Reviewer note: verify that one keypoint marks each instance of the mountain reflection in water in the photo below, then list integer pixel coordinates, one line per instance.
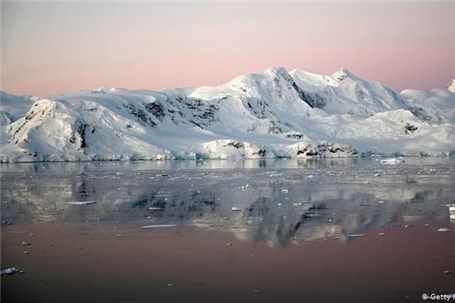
(277, 201)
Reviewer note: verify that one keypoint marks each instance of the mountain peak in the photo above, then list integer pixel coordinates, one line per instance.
(451, 86)
(277, 71)
(343, 73)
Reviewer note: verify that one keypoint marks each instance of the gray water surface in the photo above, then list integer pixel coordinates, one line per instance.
(274, 201)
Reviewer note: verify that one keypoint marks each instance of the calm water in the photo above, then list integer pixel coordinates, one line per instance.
(279, 201)
(273, 218)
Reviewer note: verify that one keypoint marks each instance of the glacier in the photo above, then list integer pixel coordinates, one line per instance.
(276, 114)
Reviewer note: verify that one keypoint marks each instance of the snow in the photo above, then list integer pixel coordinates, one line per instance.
(13, 107)
(451, 86)
(274, 114)
(435, 106)
(344, 93)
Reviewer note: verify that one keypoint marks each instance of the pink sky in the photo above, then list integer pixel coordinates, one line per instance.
(50, 48)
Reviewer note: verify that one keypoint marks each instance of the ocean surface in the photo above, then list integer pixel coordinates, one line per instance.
(334, 230)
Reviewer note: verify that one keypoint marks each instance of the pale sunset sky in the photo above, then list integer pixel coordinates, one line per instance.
(55, 47)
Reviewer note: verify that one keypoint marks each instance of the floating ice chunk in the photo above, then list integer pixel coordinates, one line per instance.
(284, 190)
(313, 215)
(81, 202)
(275, 175)
(356, 235)
(11, 271)
(392, 161)
(158, 226)
(236, 209)
(443, 230)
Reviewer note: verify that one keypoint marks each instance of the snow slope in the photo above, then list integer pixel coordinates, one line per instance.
(13, 107)
(344, 93)
(273, 114)
(436, 106)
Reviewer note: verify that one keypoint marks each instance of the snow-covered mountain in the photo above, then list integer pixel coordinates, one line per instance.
(451, 86)
(273, 114)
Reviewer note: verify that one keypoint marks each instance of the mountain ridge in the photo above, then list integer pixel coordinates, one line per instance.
(278, 113)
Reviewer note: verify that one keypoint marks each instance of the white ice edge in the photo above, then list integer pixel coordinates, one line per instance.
(158, 226)
(80, 202)
(356, 235)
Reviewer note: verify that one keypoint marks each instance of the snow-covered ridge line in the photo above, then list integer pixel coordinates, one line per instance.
(275, 114)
